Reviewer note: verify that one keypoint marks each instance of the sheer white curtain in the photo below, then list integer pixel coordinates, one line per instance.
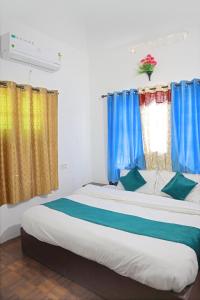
(155, 110)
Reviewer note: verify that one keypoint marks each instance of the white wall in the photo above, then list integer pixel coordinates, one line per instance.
(72, 82)
(82, 113)
(114, 69)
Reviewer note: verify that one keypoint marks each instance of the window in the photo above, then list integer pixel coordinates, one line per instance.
(156, 127)
(155, 117)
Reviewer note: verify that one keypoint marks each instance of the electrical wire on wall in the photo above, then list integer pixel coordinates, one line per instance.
(29, 76)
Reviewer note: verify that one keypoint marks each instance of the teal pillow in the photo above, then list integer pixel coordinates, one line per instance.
(132, 181)
(179, 187)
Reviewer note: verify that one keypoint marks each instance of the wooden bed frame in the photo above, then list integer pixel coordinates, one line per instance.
(98, 278)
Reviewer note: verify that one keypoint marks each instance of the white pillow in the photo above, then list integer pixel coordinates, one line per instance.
(111, 186)
(164, 177)
(150, 178)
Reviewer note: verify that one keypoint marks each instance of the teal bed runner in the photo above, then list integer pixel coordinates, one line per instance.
(186, 235)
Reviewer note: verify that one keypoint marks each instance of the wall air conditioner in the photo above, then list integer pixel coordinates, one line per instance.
(18, 49)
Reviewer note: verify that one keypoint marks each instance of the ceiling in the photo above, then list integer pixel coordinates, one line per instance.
(104, 22)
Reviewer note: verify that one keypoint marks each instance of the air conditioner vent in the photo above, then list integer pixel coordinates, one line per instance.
(16, 48)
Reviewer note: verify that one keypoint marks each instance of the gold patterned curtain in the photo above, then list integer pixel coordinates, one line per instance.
(28, 142)
(155, 107)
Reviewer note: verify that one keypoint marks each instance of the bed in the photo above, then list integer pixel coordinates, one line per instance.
(116, 264)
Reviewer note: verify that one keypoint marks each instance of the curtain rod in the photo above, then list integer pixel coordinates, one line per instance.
(152, 88)
(21, 86)
(187, 82)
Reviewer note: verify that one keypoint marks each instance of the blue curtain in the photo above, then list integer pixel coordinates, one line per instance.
(125, 147)
(186, 126)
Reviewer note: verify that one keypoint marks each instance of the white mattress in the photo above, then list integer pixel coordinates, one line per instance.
(157, 263)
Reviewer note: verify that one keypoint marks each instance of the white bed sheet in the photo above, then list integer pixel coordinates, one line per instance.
(157, 263)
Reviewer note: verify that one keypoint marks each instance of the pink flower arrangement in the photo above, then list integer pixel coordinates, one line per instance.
(147, 65)
(149, 60)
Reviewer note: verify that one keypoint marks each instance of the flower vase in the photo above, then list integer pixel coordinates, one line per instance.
(149, 73)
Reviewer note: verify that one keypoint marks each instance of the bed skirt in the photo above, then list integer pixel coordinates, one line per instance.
(98, 278)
